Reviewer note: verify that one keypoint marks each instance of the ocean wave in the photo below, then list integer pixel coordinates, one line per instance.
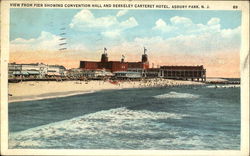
(86, 131)
(176, 95)
(223, 86)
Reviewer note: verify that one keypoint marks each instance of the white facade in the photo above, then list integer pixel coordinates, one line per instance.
(77, 73)
(55, 70)
(38, 70)
(128, 74)
(96, 73)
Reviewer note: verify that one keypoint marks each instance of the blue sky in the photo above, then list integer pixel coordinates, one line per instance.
(29, 23)
(165, 33)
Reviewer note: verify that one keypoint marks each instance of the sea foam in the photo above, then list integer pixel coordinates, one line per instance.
(103, 124)
(176, 95)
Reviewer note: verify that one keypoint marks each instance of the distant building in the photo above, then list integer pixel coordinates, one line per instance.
(78, 73)
(124, 69)
(97, 74)
(183, 72)
(114, 66)
(107, 69)
(35, 70)
(74, 73)
(127, 75)
(56, 70)
(14, 69)
(153, 72)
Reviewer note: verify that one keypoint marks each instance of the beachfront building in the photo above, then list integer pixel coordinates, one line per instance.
(78, 73)
(56, 70)
(127, 75)
(138, 67)
(97, 74)
(122, 69)
(183, 72)
(34, 70)
(178, 72)
(14, 70)
(74, 73)
(153, 73)
(115, 66)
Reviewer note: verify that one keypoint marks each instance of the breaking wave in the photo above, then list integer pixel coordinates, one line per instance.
(94, 130)
(223, 86)
(176, 95)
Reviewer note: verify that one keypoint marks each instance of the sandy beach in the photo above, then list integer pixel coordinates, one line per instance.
(35, 90)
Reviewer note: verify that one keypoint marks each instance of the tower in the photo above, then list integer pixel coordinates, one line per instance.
(123, 58)
(144, 58)
(104, 57)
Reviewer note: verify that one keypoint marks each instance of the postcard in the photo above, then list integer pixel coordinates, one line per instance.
(125, 78)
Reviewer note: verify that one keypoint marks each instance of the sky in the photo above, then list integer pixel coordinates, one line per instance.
(171, 37)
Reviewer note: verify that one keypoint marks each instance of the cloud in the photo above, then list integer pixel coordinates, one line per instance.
(185, 26)
(77, 47)
(198, 39)
(162, 26)
(112, 34)
(177, 20)
(122, 13)
(213, 21)
(129, 23)
(86, 21)
(231, 33)
(46, 41)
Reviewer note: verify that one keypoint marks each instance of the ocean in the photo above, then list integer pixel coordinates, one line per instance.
(173, 118)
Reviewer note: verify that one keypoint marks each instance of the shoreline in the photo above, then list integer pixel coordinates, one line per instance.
(35, 90)
(41, 97)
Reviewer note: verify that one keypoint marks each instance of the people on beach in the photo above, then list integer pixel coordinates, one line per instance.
(24, 89)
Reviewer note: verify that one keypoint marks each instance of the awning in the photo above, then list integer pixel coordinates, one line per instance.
(20, 73)
(33, 72)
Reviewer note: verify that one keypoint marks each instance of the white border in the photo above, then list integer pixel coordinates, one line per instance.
(215, 5)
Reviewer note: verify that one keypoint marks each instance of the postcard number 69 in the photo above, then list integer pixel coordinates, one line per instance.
(235, 7)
